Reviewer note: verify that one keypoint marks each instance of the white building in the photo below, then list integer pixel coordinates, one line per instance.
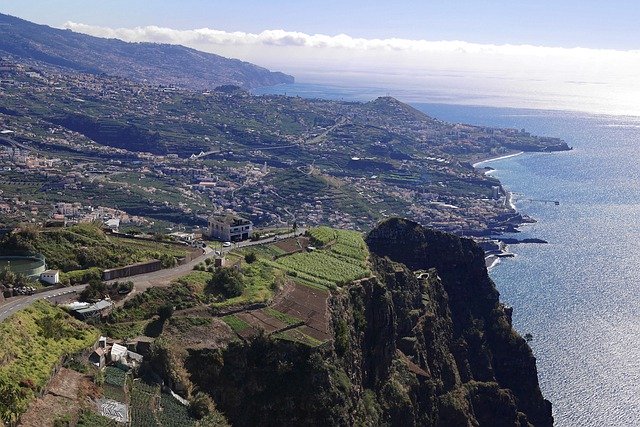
(113, 224)
(50, 276)
(229, 228)
(184, 237)
(121, 355)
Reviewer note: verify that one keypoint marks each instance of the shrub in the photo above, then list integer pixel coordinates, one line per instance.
(94, 292)
(201, 405)
(165, 311)
(250, 257)
(124, 287)
(226, 281)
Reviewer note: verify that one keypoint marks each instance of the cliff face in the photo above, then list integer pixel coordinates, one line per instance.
(423, 342)
(461, 336)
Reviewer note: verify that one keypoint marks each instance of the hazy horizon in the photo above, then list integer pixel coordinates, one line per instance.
(575, 56)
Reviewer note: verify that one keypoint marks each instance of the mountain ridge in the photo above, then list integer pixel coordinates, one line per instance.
(161, 64)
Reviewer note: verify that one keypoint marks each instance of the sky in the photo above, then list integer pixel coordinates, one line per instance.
(565, 54)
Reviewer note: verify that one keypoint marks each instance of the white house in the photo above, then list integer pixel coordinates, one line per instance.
(118, 353)
(229, 228)
(50, 276)
(113, 224)
(123, 356)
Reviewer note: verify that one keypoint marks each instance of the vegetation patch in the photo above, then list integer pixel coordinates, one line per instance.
(235, 323)
(142, 398)
(196, 280)
(323, 265)
(283, 317)
(321, 236)
(259, 280)
(115, 376)
(146, 305)
(173, 413)
(84, 246)
(124, 330)
(34, 340)
(295, 335)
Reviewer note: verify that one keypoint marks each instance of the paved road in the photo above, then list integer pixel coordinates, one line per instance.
(10, 306)
(141, 282)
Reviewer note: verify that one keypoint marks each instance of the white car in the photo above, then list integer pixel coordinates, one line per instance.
(226, 244)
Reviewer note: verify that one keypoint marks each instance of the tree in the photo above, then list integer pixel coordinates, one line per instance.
(228, 281)
(96, 290)
(7, 277)
(168, 261)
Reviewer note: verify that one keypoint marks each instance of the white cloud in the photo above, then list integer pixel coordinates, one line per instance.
(519, 75)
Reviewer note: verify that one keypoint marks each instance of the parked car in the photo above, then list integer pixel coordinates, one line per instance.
(226, 244)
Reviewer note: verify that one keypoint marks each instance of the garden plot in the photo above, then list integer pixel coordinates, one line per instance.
(292, 244)
(309, 305)
(259, 320)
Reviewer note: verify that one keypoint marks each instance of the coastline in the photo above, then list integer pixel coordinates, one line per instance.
(508, 156)
(492, 259)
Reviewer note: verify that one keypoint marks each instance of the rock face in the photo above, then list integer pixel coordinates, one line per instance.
(423, 342)
(462, 336)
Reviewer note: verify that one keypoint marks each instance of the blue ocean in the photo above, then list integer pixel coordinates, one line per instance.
(578, 295)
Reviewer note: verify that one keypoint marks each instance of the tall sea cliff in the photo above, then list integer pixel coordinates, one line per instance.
(423, 341)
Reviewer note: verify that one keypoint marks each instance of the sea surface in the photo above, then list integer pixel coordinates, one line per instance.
(578, 295)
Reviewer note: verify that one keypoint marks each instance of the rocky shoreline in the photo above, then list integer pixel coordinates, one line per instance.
(490, 240)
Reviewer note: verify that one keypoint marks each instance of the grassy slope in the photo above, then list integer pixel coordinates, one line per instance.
(33, 342)
(84, 246)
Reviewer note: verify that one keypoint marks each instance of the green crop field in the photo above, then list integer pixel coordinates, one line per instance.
(323, 265)
(115, 376)
(173, 413)
(322, 235)
(341, 258)
(142, 399)
(237, 324)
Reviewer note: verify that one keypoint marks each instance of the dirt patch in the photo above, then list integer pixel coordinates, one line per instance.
(67, 392)
(309, 305)
(261, 321)
(292, 244)
(198, 332)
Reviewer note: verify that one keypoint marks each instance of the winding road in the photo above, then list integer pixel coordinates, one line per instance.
(141, 282)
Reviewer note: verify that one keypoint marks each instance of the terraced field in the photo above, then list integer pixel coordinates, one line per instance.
(341, 258)
(300, 311)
